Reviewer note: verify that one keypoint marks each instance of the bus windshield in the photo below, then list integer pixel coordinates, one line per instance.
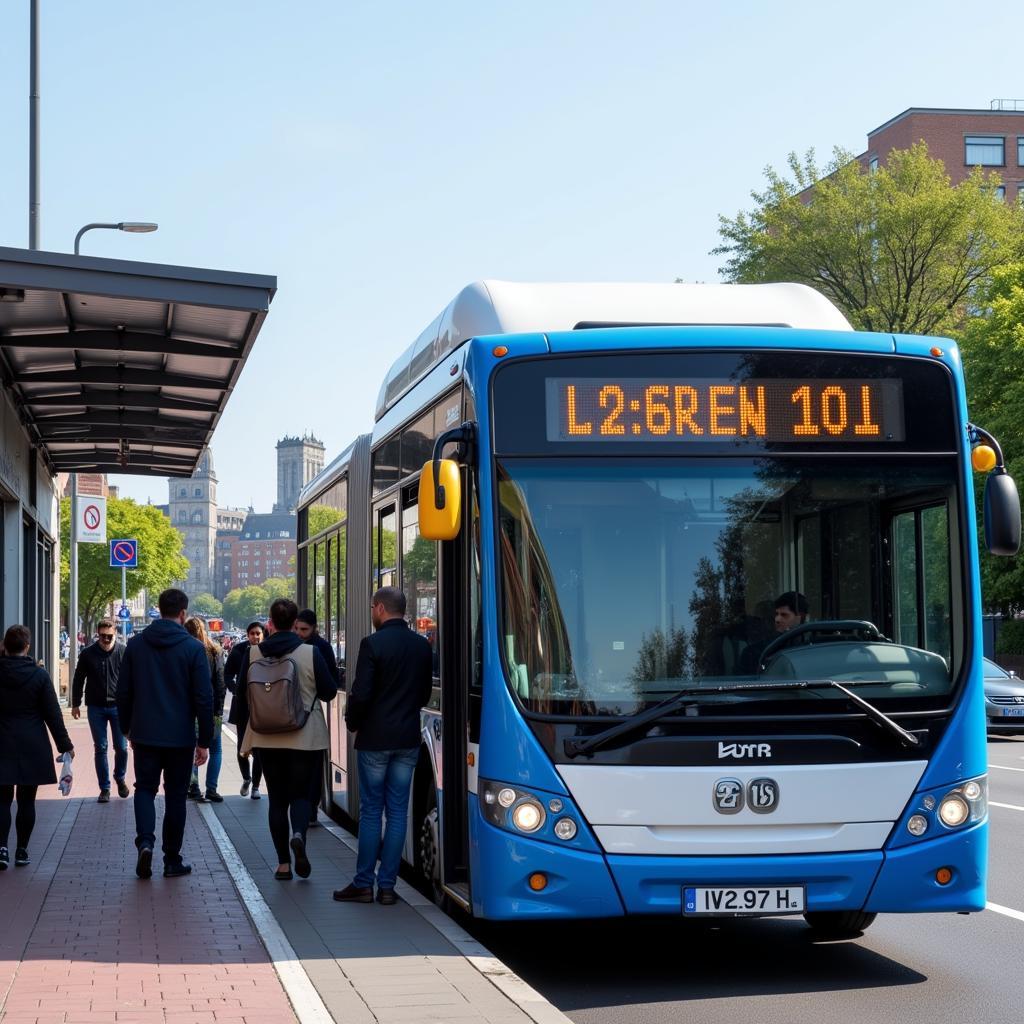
(626, 580)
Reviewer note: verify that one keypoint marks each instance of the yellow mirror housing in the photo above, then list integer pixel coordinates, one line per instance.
(983, 458)
(440, 523)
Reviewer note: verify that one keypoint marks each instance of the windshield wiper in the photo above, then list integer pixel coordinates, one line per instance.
(580, 747)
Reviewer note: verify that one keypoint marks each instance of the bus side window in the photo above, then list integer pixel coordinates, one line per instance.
(920, 575)
(419, 576)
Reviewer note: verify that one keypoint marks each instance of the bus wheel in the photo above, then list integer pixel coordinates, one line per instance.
(428, 849)
(839, 924)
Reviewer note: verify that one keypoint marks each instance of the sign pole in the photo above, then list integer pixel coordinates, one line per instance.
(124, 602)
(73, 589)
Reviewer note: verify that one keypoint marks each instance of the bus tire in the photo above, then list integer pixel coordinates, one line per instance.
(428, 849)
(839, 924)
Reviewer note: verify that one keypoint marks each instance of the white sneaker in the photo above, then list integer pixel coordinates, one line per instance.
(245, 787)
(255, 794)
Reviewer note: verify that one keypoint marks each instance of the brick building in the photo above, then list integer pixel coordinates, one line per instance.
(265, 548)
(230, 523)
(963, 139)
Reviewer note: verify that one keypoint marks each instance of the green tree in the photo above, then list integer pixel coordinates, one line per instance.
(244, 605)
(898, 249)
(161, 562)
(279, 586)
(993, 353)
(206, 604)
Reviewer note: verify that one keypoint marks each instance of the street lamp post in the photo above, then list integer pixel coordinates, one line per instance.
(134, 226)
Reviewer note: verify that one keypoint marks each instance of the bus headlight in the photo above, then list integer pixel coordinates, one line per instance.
(528, 816)
(953, 811)
(966, 804)
(565, 828)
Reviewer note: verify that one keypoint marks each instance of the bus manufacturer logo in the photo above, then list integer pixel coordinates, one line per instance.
(744, 750)
(763, 795)
(728, 796)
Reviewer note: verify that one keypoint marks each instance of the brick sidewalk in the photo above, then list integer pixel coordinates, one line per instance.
(84, 940)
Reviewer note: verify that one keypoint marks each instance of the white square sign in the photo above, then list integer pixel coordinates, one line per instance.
(91, 516)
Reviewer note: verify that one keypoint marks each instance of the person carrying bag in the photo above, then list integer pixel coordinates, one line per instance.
(286, 682)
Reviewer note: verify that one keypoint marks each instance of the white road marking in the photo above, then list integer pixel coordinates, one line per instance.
(1006, 768)
(305, 999)
(1009, 807)
(1017, 915)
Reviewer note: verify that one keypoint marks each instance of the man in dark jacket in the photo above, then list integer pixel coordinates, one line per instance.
(392, 683)
(96, 673)
(234, 667)
(163, 691)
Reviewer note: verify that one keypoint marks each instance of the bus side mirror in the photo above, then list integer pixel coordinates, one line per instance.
(440, 500)
(1002, 514)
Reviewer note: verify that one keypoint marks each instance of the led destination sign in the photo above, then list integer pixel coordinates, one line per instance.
(805, 411)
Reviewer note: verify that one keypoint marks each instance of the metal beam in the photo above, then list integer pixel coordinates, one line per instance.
(136, 434)
(121, 341)
(125, 400)
(76, 460)
(117, 374)
(115, 418)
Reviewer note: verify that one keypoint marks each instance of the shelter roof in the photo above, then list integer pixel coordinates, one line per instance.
(123, 367)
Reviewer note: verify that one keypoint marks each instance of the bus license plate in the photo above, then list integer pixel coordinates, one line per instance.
(741, 900)
(1013, 712)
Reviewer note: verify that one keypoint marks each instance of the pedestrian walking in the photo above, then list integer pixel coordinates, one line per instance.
(283, 665)
(393, 682)
(163, 691)
(238, 659)
(214, 657)
(28, 707)
(96, 674)
(306, 627)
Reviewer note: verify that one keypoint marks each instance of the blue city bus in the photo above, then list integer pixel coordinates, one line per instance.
(699, 568)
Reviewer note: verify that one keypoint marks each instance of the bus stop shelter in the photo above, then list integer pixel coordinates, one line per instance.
(106, 366)
(123, 367)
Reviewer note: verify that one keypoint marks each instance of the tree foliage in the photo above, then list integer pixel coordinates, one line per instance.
(205, 604)
(897, 249)
(993, 354)
(246, 604)
(160, 559)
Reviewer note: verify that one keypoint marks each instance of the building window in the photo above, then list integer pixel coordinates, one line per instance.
(1020, 150)
(985, 150)
(1000, 192)
(197, 517)
(199, 492)
(873, 164)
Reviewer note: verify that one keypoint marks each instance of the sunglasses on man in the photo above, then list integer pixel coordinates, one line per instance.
(105, 637)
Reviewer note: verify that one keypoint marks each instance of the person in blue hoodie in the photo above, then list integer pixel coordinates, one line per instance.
(163, 690)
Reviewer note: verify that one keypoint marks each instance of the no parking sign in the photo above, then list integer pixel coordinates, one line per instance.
(124, 554)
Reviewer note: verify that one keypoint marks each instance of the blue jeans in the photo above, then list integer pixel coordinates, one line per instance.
(98, 719)
(385, 781)
(214, 761)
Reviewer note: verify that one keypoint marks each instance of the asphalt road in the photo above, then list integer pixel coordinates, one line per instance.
(923, 968)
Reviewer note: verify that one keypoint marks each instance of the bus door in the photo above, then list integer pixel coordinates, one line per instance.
(456, 670)
(384, 552)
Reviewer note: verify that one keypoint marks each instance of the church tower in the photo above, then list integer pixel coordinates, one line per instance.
(192, 507)
(299, 459)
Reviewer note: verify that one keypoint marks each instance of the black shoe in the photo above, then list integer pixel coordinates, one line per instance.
(177, 870)
(214, 797)
(20, 857)
(283, 876)
(195, 793)
(246, 783)
(354, 894)
(104, 797)
(4, 858)
(255, 794)
(144, 865)
(386, 897)
(302, 865)
(122, 790)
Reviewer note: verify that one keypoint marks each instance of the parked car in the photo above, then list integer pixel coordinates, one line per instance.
(1004, 700)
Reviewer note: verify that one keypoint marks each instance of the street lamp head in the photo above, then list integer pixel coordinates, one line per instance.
(137, 226)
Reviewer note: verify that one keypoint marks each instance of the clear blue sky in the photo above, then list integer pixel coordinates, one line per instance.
(377, 157)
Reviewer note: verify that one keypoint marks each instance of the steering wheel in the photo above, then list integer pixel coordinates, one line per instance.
(868, 631)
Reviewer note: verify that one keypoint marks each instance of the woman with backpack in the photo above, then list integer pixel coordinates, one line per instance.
(286, 682)
(197, 627)
(28, 707)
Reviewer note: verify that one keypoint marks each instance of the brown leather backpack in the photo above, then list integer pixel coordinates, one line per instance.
(274, 695)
